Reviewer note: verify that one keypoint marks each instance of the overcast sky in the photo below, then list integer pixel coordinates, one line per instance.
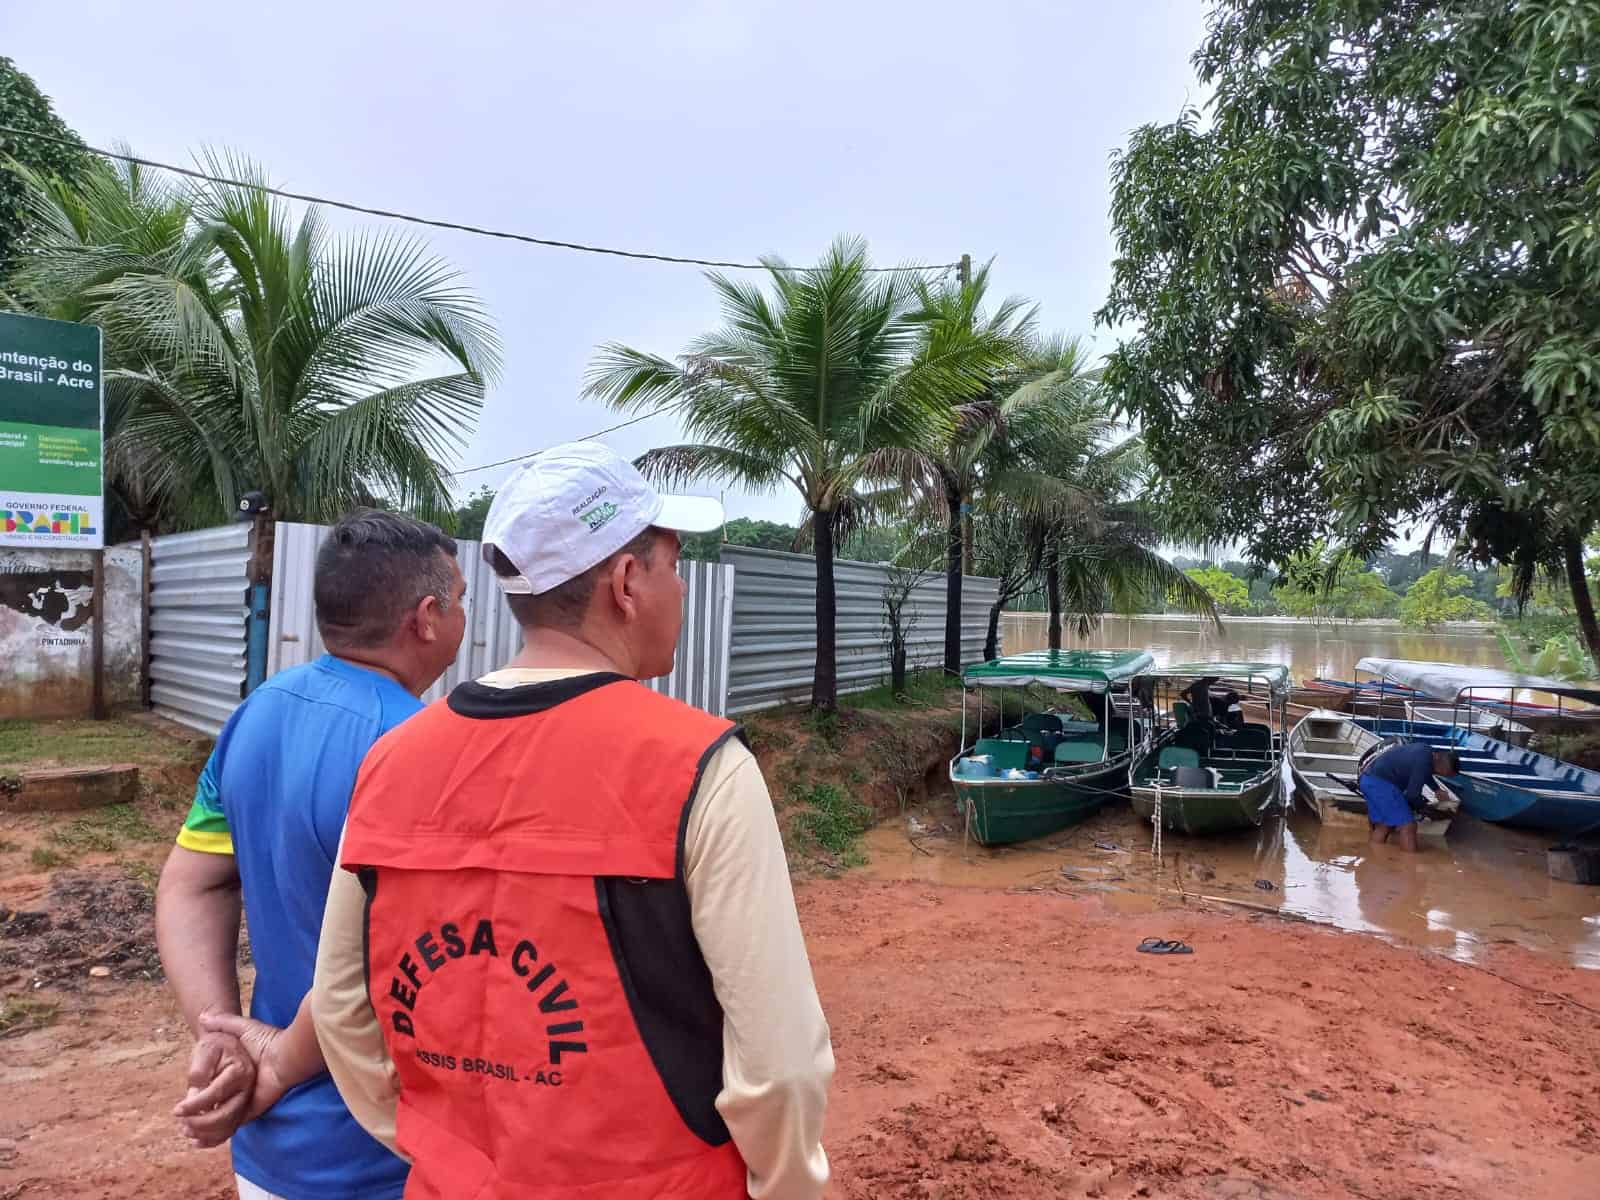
(710, 128)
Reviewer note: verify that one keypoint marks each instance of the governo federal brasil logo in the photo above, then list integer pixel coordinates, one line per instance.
(21, 520)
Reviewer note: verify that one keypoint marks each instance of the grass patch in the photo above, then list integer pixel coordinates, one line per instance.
(831, 820)
(145, 873)
(924, 689)
(105, 830)
(22, 1013)
(45, 859)
(77, 742)
(825, 727)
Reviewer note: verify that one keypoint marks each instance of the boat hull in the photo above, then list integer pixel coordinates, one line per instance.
(1477, 720)
(1000, 812)
(1204, 811)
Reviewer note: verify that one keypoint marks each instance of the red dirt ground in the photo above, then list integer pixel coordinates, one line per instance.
(994, 1044)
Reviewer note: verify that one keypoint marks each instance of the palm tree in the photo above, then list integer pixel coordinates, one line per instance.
(802, 386)
(944, 477)
(89, 238)
(1090, 537)
(250, 350)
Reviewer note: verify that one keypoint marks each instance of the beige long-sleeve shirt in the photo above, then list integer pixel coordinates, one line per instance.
(777, 1057)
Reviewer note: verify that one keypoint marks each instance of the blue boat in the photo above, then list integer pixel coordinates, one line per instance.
(1499, 782)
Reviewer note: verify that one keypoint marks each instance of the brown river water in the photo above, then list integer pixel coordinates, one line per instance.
(1331, 651)
(1484, 886)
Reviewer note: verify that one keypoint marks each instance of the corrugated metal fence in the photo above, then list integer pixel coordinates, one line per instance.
(774, 646)
(198, 615)
(748, 641)
(699, 676)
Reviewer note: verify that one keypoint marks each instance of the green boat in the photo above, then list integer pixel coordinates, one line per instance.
(1050, 770)
(1210, 772)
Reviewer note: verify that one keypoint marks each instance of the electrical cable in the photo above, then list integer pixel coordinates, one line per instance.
(479, 230)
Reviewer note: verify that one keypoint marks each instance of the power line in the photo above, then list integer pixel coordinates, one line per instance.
(416, 220)
(588, 437)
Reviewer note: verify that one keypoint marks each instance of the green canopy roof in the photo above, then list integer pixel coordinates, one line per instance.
(1063, 670)
(1275, 675)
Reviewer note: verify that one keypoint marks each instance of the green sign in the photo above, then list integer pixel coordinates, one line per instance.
(52, 479)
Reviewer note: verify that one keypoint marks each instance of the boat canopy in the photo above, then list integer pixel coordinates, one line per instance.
(1452, 681)
(1063, 670)
(1274, 675)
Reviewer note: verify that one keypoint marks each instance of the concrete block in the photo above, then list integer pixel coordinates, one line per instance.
(64, 789)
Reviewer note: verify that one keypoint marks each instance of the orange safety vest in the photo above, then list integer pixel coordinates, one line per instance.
(530, 955)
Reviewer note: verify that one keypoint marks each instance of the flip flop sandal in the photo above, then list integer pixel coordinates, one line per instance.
(1153, 945)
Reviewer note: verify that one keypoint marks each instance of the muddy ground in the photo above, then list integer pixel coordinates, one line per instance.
(995, 1044)
(990, 1043)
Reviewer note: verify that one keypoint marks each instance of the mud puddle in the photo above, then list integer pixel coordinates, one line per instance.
(1485, 885)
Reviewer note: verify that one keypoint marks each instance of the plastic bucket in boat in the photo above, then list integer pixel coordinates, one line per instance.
(976, 766)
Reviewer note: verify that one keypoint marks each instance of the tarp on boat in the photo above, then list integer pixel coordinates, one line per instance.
(1448, 681)
(1062, 670)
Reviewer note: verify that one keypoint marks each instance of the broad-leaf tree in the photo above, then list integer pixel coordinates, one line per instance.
(1364, 283)
(1227, 591)
(24, 107)
(803, 383)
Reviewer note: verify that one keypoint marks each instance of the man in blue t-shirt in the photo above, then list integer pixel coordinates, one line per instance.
(1392, 784)
(264, 829)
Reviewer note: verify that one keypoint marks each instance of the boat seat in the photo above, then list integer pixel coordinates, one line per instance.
(1079, 752)
(1006, 754)
(1042, 723)
(1181, 713)
(1193, 777)
(1250, 737)
(1178, 756)
(1194, 736)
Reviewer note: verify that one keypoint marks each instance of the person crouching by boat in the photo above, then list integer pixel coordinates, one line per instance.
(1392, 783)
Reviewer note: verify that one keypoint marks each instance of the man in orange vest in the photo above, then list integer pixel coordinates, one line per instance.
(564, 959)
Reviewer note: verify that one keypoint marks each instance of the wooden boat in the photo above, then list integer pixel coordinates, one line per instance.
(1309, 695)
(1198, 776)
(1260, 712)
(1478, 720)
(1325, 751)
(1509, 785)
(1366, 698)
(1049, 771)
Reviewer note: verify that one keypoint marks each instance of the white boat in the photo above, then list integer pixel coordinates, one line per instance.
(1325, 752)
(1478, 720)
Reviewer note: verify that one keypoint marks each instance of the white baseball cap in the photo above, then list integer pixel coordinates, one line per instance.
(572, 507)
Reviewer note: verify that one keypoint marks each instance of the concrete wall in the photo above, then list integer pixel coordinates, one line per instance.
(46, 615)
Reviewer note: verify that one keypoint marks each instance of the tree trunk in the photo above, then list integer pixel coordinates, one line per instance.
(1582, 602)
(825, 679)
(1052, 588)
(897, 669)
(991, 643)
(967, 555)
(952, 583)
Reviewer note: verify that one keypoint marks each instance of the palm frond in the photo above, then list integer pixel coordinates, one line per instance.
(674, 466)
